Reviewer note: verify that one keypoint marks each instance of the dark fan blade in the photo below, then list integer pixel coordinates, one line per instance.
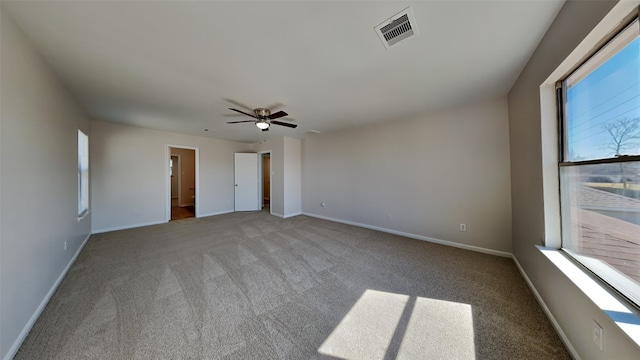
(279, 114)
(242, 121)
(242, 112)
(267, 129)
(284, 124)
(239, 104)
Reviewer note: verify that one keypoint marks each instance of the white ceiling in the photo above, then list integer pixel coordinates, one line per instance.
(174, 65)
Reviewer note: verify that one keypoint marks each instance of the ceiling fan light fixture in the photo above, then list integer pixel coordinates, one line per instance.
(263, 118)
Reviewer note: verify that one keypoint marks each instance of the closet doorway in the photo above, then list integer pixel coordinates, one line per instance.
(265, 192)
(266, 182)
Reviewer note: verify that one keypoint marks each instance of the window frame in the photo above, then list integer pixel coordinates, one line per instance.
(607, 274)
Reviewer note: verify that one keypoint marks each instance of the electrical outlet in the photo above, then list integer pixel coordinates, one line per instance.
(597, 335)
(388, 216)
(135, 212)
(66, 244)
(463, 227)
(323, 204)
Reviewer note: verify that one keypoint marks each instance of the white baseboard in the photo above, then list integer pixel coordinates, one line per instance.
(116, 228)
(546, 310)
(25, 331)
(278, 215)
(214, 213)
(414, 236)
(292, 215)
(127, 227)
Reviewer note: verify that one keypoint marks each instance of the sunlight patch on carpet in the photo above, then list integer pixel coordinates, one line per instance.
(406, 327)
(366, 331)
(441, 329)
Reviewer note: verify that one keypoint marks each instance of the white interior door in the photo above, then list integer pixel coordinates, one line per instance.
(246, 182)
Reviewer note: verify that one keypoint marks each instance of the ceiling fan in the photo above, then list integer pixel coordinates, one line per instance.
(263, 118)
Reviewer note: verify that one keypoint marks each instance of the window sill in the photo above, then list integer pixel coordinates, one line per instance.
(616, 309)
(84, 215)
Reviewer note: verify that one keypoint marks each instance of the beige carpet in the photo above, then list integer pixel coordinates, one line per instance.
(254, 286)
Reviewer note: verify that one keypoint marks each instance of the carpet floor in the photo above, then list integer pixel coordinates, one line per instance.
(255, 286)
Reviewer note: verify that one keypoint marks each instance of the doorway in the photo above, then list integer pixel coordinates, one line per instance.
(183, 166)
(246, 174)
(266, 182)
(252, 175)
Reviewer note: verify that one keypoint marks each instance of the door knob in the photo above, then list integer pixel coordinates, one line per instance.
(236, 184)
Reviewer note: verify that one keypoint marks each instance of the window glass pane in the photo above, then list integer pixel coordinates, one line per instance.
(602, 102)
(601, 221)
(600, 202)
(83, 173)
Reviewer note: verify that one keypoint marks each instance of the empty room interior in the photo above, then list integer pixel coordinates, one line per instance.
(320, 180)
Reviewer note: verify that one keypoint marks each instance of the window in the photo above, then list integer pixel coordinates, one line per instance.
(83, 174)
(600, 163)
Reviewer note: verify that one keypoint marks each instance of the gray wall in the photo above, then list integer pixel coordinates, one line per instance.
(570, 308)
(39, 166)
(129, 169)
(292, 177)
(421, 176)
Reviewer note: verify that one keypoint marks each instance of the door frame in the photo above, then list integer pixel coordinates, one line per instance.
(261, 177)
(179, 177)
(167, 179)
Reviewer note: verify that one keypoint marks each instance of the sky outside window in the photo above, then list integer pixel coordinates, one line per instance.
(609, 93)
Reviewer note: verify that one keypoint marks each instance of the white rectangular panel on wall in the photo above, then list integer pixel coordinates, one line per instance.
(246, 182)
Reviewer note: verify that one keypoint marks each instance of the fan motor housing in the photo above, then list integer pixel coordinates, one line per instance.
(262, 113)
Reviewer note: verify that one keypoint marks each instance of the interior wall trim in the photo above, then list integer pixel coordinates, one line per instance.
(417, 237)
(99, 231)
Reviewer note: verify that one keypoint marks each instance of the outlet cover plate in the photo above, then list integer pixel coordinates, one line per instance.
(598, 335)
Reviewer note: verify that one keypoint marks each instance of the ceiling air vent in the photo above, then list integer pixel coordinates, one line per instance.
(397, 28)
(311, 132)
